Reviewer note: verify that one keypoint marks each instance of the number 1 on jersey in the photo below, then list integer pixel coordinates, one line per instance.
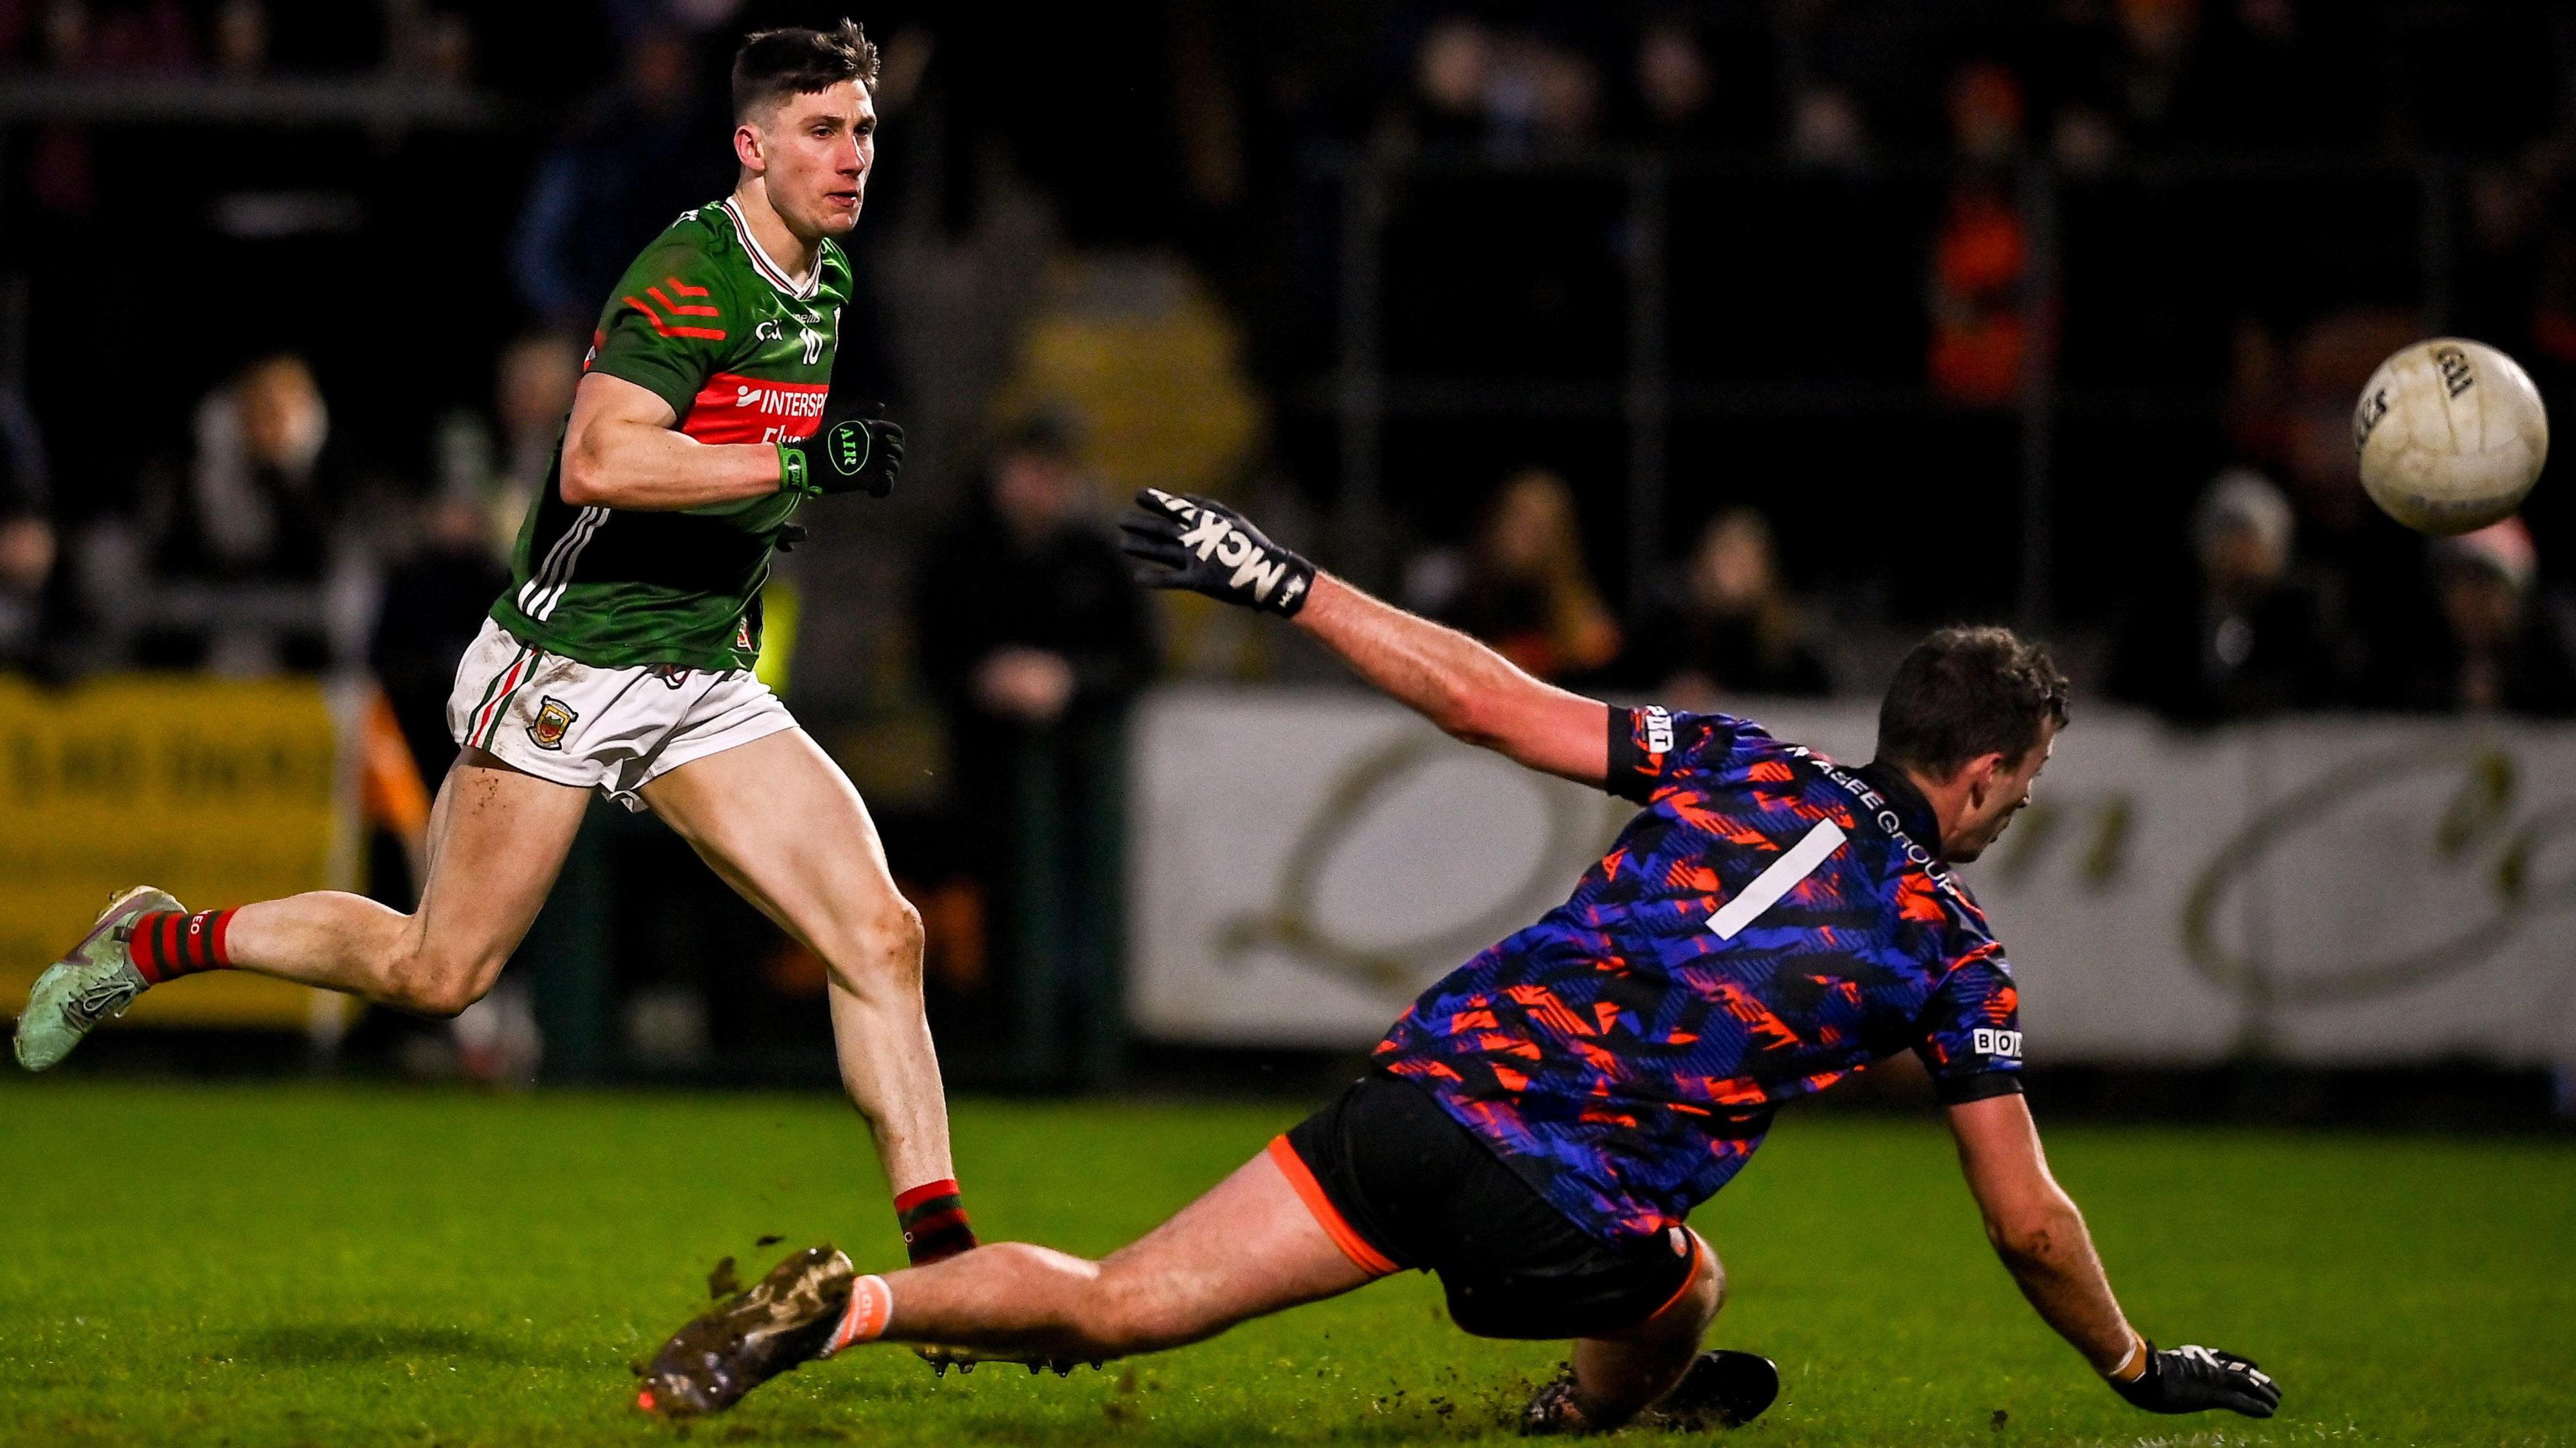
(1797, 864)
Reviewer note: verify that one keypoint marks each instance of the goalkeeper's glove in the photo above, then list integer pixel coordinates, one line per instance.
(2196, 1379)
(1180, 541)
(847, 453)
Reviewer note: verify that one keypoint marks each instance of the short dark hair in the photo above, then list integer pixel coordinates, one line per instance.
(1966, 692)
(774, 64)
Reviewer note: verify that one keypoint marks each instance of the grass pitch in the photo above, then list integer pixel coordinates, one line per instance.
(317, 1266)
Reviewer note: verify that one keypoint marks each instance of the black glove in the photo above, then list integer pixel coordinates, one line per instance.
(1180, 541)
(2196, 1379)
(848, 453)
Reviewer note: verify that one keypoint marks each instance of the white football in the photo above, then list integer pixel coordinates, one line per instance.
(2452, 436)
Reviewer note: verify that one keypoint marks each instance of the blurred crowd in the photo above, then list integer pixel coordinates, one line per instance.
(261, 540)
(1853, 213)
(1834, 83)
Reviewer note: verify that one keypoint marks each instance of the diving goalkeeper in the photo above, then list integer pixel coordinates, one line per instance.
(1538, 1125)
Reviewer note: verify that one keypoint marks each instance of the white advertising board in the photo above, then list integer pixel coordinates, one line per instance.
(2333, 891)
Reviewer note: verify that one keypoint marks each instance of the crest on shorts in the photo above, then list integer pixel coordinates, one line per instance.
(554, 716)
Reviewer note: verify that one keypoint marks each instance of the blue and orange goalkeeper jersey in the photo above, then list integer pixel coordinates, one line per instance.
(1768, 924)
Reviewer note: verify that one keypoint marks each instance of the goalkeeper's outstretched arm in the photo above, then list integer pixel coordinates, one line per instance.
(1467, 689)
(2041, 1237)
(1471, 692)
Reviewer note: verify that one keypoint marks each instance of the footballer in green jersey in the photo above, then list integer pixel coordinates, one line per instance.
(619, 659)
(741, 351)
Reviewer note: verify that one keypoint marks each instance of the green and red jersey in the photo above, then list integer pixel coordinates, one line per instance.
(742, 352)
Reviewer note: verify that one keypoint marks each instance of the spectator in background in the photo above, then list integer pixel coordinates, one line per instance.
(1981, 330)
(638, 158)
(1734, 630)
(2371, 567)
(1523, 585)
(2252, 638)
(1676, 88)
(2506, 646)
(241, 37)
(1032, 639)
(260, 499)
(1689, 93)
(1827, 129)
(1450, 70)
(532, 394)
(26, 562)
(263, 513)
(1024, 612)
(27, 541)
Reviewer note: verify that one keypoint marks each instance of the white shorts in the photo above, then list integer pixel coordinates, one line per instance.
(615, 729)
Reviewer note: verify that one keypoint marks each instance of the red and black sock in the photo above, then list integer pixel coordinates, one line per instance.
(934, 1222)
(167, 944)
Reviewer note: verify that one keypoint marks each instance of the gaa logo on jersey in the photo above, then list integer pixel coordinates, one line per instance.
(1991, 1042)
(847, 447)
(554, 716)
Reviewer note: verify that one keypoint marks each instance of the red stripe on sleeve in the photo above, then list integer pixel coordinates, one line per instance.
(649, 315)
(677, 310)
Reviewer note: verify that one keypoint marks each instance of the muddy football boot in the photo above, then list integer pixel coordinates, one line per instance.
(784, 1319)
(94, 983)
(1722, 1390)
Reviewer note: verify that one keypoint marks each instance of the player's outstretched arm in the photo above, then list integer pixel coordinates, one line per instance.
(621, 451)
(1467, 689)
(2041, 1237)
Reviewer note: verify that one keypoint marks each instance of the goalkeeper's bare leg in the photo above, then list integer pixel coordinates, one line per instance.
(1250, 1247)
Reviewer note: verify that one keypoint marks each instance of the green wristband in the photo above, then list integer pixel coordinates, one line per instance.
(791, 470)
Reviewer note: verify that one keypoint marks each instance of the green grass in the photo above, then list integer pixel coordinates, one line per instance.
(313, 1266)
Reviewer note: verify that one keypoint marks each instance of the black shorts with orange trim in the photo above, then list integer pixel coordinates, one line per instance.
(1398, 1184)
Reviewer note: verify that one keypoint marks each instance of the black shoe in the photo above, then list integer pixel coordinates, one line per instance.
(1722, 1390)
(786, 1318)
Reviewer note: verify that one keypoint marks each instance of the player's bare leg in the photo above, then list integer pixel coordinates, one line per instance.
(1246, 1248)
(497, 837)
(1618, 1374)
(1656, 1370)
(781, 823)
